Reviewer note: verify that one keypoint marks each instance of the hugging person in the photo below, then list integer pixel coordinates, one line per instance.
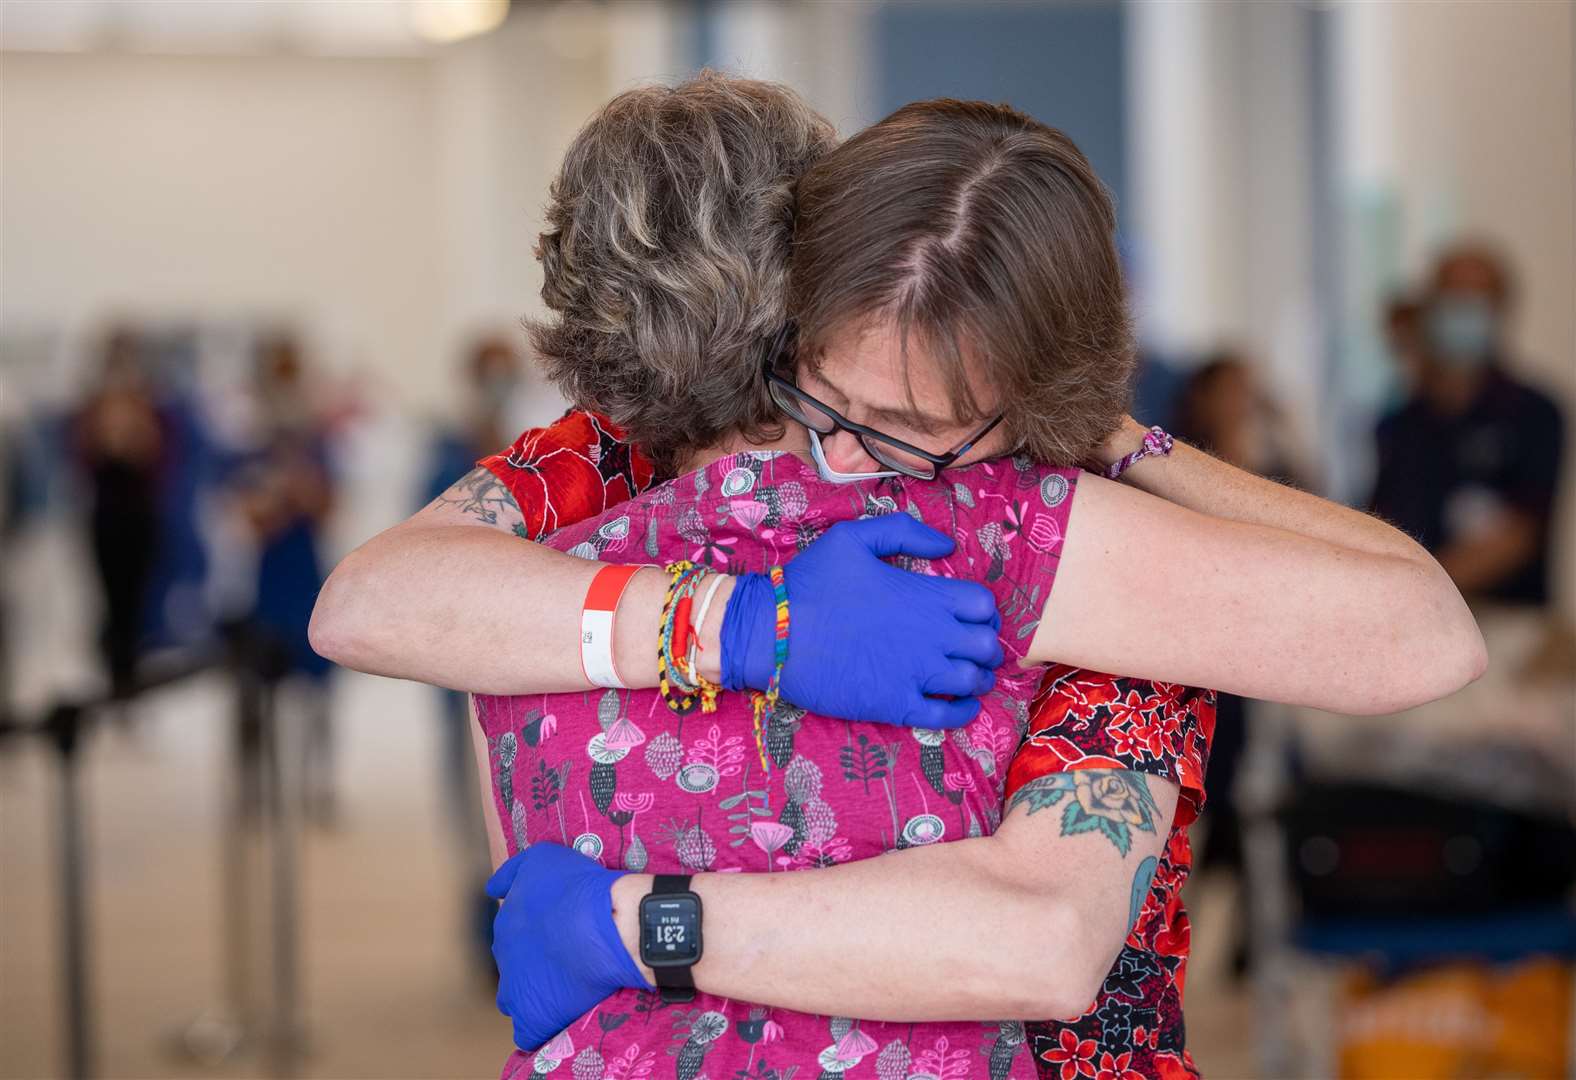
(961, 344)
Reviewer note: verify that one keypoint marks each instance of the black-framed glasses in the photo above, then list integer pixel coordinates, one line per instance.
(821, 418)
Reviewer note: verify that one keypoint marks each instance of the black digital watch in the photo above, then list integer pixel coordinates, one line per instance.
(670, 941)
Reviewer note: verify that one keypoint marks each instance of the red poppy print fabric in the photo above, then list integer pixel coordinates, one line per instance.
(567, 472)
(1086, 720)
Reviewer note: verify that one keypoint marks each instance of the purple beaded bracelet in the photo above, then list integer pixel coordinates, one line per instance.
(1156, 444)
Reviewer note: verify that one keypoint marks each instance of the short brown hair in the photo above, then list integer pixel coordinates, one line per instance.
(666, 258)
(989, 235)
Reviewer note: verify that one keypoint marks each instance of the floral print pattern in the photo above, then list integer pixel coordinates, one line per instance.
(1087, 721)
(618, 776)
(578, 467)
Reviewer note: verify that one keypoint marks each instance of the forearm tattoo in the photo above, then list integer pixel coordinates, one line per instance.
(481, 495)
(1111, 802)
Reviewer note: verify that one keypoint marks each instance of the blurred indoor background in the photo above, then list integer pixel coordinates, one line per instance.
(262, 266)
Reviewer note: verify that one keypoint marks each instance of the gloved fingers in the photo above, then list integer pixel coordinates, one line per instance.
(975, 642)
(938, 713)
(959, 678)
(969, 601)
(503, 878)
(527, 1039)
(897, 534)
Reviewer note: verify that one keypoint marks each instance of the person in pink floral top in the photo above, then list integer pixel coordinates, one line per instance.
(615, 775)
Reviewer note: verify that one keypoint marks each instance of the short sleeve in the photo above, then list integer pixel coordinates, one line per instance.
(569, 471)
(1088, 720)
(1009, 519)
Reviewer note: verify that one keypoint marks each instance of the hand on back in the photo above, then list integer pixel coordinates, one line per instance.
(869, 641)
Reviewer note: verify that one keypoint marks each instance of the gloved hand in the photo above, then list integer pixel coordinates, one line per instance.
(558, 952)
(867, 641)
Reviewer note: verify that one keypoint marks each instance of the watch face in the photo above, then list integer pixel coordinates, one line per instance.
(670, 930)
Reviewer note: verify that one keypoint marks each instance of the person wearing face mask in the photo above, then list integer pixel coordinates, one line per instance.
(1470, 464)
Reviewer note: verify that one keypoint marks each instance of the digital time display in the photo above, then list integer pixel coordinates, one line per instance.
(671, 930)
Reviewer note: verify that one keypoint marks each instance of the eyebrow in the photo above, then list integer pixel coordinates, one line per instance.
(924, 423)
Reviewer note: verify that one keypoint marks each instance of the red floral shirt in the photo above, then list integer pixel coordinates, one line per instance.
(579, 467)
(1086, 720)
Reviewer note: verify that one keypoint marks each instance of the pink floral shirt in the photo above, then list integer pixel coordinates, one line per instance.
(619, 777)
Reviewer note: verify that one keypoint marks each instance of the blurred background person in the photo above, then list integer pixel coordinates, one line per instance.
(1222, 408)
(1403, 340)
(121, 443)
(490, 381)
(1470, 464)
(284, 492)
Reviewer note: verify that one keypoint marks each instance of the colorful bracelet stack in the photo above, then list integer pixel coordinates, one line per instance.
(765, 704)
(678, 676)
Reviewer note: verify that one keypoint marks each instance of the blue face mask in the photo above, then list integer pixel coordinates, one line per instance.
(1462, 331)
(831, 475)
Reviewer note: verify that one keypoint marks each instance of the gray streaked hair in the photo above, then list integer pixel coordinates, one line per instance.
(666, 258)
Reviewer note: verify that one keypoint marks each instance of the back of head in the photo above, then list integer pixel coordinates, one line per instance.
(666, 257)
(988, 234)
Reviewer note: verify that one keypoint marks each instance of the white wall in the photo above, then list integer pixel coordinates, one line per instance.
(247, 186)
(389, 206)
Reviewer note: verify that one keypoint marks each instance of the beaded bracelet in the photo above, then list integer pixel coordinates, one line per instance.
(679, 683)
(765, 704)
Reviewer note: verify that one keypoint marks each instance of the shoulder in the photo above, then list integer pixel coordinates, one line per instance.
(1532, 406)
(1008, 517)
(1090, 720)
(575, 467)
(1012, 502)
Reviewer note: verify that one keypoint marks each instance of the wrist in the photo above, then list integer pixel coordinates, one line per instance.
(709, 657)
(747, 633)
(1127, 437)
(628, 891)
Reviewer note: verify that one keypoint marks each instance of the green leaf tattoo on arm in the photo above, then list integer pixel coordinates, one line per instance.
(1111, 802)
(481, 495)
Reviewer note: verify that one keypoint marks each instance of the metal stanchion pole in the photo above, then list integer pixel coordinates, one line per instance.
(225, 1030)
(281, 800)
(65, 724)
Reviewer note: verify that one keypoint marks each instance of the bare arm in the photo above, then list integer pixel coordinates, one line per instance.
(1236, 582)
(1024, 923)
(453, 597)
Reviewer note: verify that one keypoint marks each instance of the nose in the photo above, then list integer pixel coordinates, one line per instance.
(846, 454)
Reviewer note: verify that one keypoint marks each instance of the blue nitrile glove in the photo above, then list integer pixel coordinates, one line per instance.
(867, 641)
(559, 954)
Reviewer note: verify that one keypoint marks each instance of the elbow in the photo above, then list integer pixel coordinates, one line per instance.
(334, 632)
(1439, 648)
(1065, 985)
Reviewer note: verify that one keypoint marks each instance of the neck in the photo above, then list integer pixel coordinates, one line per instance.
(792, 440)
(1451, 391)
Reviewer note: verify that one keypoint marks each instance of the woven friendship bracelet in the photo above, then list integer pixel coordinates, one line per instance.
(765, 704)
(1157, 443)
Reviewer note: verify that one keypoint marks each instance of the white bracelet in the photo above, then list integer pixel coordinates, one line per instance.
(700, 618)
